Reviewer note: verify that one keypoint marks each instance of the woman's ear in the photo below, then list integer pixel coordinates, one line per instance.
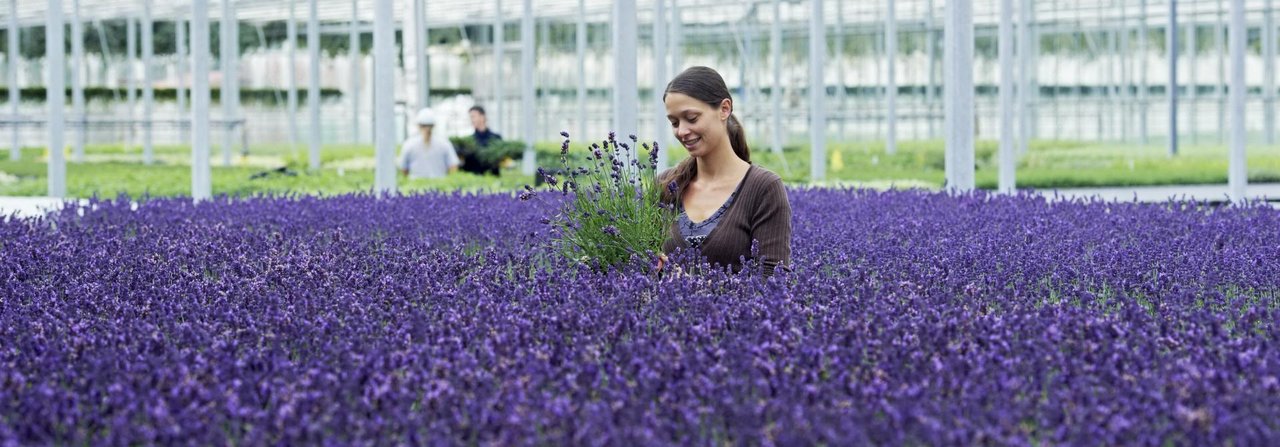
(726, 109)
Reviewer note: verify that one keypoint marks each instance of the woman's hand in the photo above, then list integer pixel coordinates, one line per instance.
(675, 271)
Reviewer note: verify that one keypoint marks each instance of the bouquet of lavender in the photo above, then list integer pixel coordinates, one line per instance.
(614, 213)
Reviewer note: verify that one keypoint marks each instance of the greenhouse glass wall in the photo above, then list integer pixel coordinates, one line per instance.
(1125, 73)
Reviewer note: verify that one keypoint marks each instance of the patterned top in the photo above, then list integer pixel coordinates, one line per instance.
(694, 233)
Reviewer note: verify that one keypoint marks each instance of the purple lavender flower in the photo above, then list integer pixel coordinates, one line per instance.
(908, 317)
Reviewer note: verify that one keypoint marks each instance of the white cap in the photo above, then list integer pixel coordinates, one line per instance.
(426, 117)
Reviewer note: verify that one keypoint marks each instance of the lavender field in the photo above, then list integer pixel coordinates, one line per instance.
(910, 318)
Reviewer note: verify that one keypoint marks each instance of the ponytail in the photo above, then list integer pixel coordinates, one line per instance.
(738, 138)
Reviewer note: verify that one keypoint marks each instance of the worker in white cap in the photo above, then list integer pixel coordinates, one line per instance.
(427, 155)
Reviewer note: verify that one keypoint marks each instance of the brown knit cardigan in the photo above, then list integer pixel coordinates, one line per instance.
(760, 213)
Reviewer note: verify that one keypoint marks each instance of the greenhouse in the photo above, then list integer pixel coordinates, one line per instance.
(659, 222)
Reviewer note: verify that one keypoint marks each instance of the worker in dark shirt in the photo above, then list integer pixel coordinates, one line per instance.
(472, 160)
(481, 123)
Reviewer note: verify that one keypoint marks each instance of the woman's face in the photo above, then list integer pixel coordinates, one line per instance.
(697, 126)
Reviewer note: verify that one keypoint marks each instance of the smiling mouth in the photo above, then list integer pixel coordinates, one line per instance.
(690, 142)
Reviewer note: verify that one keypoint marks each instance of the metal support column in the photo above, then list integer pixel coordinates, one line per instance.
(931, 50)
(841, 86)
(148, 90)
(131, 79)
(1269, 74)
(958, 95)
(1143, 83)
(817, 94)
(580, 37)
(1171, 89)
(11, 60)
(661, 127)
(77, 83)
(180, 38)
(499, 46)
(313, 84)
(416, 57)
(353, 52)
(1219, 36)
(775, 91)
(1026, 89)
(1193, 81)
(1237, 172)
(230, 30)
(201, 184)
(55, 98)
(1008, 148)
(1126, 75)
(625, 94)
(527, 88)
(384, 98)
(291, 28)
(891, 95)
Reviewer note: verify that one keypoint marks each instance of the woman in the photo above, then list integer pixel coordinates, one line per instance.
(725, 202)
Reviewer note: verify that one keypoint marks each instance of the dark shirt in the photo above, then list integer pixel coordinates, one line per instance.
(483, 137)
(759, 212)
